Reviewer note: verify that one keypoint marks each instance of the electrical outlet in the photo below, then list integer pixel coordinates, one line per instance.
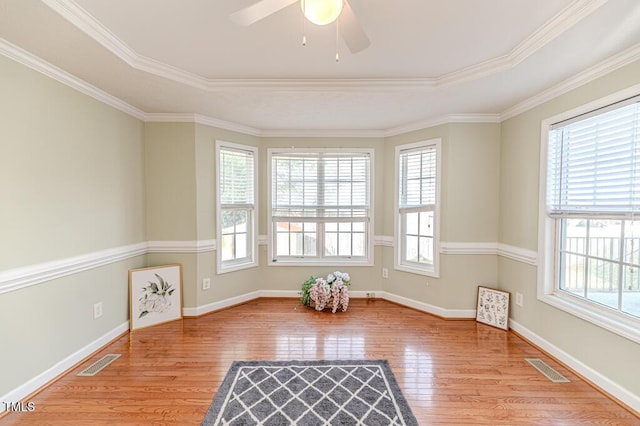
(97, 310)
(385, 273)
(206, 283)
(519, 299)
(372, 295)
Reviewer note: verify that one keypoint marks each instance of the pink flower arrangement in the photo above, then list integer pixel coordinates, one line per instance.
(327, 292)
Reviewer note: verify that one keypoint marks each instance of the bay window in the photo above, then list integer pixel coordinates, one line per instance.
(320, 206)
(591, 220)
(417, 207)
(236, 200)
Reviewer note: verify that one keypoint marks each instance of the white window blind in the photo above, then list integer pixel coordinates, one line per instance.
(236, 178)
(320, 187)
(594, 163)
(417, 179)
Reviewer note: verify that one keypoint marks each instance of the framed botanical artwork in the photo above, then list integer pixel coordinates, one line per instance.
(493, 307)
(155, 295)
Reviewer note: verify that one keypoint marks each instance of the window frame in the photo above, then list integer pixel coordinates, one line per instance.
(400, 263)
(320, 259)
(224, 266)
(549, 235)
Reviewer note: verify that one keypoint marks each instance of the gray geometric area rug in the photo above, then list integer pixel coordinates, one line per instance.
(309, 393)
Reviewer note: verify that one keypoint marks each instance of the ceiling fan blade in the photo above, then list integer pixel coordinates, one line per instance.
(351, 31)
(258, 11)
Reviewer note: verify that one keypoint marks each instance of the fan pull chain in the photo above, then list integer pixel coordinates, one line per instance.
(304, 35)
(337, 36)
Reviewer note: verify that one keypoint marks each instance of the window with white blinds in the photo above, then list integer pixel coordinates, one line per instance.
(592, 205)
(417, 205)
(320, 205)
(236, 205)
(594, 162)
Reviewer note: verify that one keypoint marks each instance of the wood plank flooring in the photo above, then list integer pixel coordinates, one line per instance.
(451, 372)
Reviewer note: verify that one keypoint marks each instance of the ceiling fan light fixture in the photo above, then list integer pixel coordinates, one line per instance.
(321, 12)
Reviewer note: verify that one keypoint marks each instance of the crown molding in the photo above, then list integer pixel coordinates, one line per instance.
(563, 21)
(200, 119)
(601, 69)
(567, 18)
(308, 133)
(445, 119)
(29, 60)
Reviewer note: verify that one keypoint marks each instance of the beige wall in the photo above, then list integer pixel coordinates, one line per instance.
(468, 212)
(71, 183)
(606, 353)
(80, 177)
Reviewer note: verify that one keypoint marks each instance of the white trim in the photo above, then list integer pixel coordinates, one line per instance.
(252, 260)
(618, 323)
(368, 260)
(17, 278)
(468, 248)
(247, 297)
(431, 270)
(322, 133)
(529, 257)
(561, 22)
(42, 379)
(622, 394)
(546, 283)
(603, 68)
(29, 60)
(383, 240)
(198, 246)
(445, 119)
(428, 308)
(222, 304)
(200, 119)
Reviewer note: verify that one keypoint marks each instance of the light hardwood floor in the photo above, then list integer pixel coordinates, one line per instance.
(451, 372)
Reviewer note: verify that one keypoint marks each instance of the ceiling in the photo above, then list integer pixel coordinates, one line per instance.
(428, 59)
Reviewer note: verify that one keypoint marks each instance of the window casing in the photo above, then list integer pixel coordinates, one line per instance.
(417, 207)
(590, 222)
(320, 206)
(236, 206)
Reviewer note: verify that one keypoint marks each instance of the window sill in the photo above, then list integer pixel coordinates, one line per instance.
(618, 323)
(429, 272)
(323, 262)
(223, 269)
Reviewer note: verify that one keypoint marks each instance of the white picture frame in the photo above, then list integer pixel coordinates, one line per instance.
(155, 295)
(493, 307)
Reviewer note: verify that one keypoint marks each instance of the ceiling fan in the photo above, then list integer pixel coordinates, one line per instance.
(320, 12)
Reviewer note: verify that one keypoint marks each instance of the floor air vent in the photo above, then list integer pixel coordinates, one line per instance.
(548, 372)
(99, 365)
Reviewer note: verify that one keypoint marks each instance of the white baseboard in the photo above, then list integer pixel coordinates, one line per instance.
(620, 393)
(420, 306)
(215, 306)
(612, 388)
(61, 367)
(431, 309)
